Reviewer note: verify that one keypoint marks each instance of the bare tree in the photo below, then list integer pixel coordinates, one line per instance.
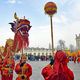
(72, 48)
(61, 45)
(58, 47)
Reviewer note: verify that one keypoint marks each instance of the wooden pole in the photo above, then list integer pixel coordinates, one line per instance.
(52, 35)
(22, 47)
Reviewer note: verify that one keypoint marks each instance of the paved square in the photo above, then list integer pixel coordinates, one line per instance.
(38, 65)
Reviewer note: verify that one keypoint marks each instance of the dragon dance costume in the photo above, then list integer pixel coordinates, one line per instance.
(7, 69)
(8, 62)
(21, 27)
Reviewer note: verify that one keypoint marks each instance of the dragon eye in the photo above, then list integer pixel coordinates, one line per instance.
(18, 21)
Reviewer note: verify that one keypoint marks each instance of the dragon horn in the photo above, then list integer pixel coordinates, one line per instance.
(15, 16)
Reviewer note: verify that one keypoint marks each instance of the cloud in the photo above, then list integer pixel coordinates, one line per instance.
(71, 9)
(11, 1)
(5, 33)
(14, 1)
(39, 36)
(61, 19)
(76, 10)
(66, 1)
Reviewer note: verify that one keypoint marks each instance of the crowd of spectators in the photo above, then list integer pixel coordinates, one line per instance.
(31, 57)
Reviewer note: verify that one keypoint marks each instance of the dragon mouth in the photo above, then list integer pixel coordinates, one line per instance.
(24, 33)
(24, 30)
(23, 27)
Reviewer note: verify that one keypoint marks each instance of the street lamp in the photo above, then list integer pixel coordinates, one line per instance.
(50, 8)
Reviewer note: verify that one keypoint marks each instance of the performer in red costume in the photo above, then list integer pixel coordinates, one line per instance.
(60, 68)
(1, 62)
(74, 59)
(78, 60)
(23, 69)
(7, 69)
(46, 71)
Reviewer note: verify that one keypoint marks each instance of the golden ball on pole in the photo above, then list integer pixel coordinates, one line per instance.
(50, 8)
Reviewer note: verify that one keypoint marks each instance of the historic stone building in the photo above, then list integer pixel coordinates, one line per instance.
(78, 41)
(37, 51)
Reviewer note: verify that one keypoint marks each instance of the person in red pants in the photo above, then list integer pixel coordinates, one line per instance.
(47, 70)
(7, 69)
(23, 69)
(60, 68)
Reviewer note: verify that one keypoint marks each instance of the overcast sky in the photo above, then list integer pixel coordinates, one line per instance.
(66, 22)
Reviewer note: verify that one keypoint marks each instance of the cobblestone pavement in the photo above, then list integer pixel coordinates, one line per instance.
(38, 65)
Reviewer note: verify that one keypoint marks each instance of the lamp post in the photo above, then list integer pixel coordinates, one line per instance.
(50, 8)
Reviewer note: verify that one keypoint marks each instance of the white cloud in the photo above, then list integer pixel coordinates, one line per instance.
(72, 9)
(40, 36)
(62, 19)
(14, 1)
(66, 1)
(76, 10)
(5, 33)
(56, 20)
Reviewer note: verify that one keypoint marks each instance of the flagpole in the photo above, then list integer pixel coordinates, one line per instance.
(52, 34)
(22, 47)
(50, 8)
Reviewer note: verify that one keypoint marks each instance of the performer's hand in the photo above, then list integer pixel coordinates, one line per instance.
(8, 65)
(10, 71)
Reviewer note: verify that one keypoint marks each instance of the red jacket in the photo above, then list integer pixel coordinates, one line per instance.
(27, 70)
(60, 68)
(46, 71)
(6, 62)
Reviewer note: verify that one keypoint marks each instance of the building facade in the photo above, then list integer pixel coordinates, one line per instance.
(36, 54)
(78, 41)
(38, 51)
